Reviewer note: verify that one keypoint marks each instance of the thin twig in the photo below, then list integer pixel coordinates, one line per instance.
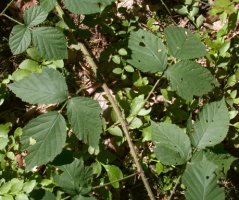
(147, 98)
(63, 106)
(12, 19)
(169, 12)
(4, 10)
(175, 187)
(122, 179)
(122, 121)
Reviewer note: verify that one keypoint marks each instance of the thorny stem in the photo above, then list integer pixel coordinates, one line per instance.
(4, 10)
(122, 179)
(122, 121)
(118, 112)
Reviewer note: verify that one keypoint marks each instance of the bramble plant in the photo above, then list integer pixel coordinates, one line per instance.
(78, 148)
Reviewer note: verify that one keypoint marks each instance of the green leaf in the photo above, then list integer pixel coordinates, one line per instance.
(189, 78)
(20, 74)
(34, 16)
(183, 44)
(148, 53)
(212, 125)
(46, 88)
(20, 39)
(47, 5)
(84, 116)
(54, 64)
(50, 42)
(85, 6)
(7, 197)
(116, 131)
(201, 181)
(136, 123)
(5, 188)
(129, 68)
(80, 197)
(114, 174)
(30, 65)
(116, 59)
(34, 54)
(49, 132)
(16, 185)
(172, 145)
(136, 105)
(122, 52)
(75, 179)
(222, 160)
(21, 197)
(4, 130)
(117, 70)
(29, 186)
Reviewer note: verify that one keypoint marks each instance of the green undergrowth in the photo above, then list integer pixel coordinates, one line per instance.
(108, 102)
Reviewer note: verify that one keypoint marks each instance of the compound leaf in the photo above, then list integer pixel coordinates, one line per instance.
(172, 145)
(20, 39)
(48, 5)
(50, 42)
(34, 16)
(201, 181)
(183, 44)
(189, 78)
(49, 87)
(84, 116)
(43, 138)
(86, 6)
(212, 125)
(148, 52)
(76, 178)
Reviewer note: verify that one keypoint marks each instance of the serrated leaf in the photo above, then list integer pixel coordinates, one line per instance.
(201, 181)
(84, 116)
(183, 44)
(20, 39)
(212, 125)
(114, 173)
(76, 178)
(34, 16)
(222, 160)
(188, 78)
(148, 53)
(50, 42)
(85, 6)
(49, 87)
(48, 5)
(172, 145)
(49, 131)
